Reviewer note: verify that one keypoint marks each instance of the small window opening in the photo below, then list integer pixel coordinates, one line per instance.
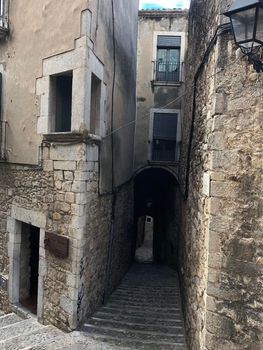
(95, 105)
(164, 137)
(61, 102)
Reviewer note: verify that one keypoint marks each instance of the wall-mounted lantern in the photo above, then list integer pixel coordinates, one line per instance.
(247, 23)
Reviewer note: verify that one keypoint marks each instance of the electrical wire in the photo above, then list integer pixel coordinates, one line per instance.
(146, 115)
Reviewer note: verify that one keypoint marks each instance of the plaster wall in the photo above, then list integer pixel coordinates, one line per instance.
(36, 32)
(41, 34)
(151, 95)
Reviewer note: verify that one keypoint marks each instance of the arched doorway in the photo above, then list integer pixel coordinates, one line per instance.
(156, 196)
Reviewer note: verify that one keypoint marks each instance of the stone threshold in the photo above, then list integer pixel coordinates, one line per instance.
(22, 312)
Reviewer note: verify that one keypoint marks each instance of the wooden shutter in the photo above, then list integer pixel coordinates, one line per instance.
(168, 41)
(165, 126)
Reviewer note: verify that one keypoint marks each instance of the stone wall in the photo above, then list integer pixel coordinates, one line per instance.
(66, 194)
(221, 248)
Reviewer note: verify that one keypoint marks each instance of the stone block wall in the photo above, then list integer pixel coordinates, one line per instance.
(63, 197)
(221, 246)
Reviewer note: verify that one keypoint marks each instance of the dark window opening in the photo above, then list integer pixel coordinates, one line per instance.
(61, 99)
(168, 58)
(95, 105)
(164, 137)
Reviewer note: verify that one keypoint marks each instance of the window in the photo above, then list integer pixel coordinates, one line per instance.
(95, 105)
(3, 20)
(168, 58)
(61, 102)
(164, 137)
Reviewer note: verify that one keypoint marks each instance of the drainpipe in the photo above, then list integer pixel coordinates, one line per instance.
(114, 190)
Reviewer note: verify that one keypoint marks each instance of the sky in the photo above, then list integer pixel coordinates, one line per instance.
(146, 4)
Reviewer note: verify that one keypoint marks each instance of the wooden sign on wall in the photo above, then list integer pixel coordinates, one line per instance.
(57, 245)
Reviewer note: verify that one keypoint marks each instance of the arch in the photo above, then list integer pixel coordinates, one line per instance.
(157, 166)
(157, 194)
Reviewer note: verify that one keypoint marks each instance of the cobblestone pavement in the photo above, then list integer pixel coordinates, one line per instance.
(143, 313)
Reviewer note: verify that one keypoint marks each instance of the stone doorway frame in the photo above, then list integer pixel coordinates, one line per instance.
(14, 228)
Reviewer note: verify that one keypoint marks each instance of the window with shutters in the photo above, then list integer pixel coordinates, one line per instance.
(168, 63)
(164, 137)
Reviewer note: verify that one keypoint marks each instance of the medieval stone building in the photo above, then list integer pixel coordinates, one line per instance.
(207, 213)
(221, 163)
(83, 180)
(162, 41)
(68, 81)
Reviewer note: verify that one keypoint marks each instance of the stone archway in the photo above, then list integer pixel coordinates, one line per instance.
(156, 195)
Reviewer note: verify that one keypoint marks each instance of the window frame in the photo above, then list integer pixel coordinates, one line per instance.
(154, 111)
(182, 35)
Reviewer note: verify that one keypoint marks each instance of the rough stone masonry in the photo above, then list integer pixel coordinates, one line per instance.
(221, 249)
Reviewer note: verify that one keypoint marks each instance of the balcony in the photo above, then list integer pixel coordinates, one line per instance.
(3, 19)
(164, 151)
(167, 72)
(3, 140)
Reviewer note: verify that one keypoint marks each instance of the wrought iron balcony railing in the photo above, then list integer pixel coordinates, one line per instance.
(168, 71)
(3, 18)
(3, 140)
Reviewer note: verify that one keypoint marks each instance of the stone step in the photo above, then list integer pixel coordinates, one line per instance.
(144, 313)
(159, 328)
(56, 343)
(9, 319)
(148, 292)
(123, 343)
(144, 303)
(149, 296)
(137, 320)
(18, 328)
(142, 336)
(29, 340)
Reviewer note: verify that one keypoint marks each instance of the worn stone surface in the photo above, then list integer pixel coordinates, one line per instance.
(144, 312)
(221, 242)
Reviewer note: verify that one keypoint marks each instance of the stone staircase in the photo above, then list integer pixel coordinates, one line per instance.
(17, 333)
(143, 313)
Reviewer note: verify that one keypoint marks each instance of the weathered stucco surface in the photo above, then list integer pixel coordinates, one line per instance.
(150, 94)
(35, 35)
(221, 248)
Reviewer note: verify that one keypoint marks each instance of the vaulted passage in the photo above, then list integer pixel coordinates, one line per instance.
(145, 311)
(156, 197)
